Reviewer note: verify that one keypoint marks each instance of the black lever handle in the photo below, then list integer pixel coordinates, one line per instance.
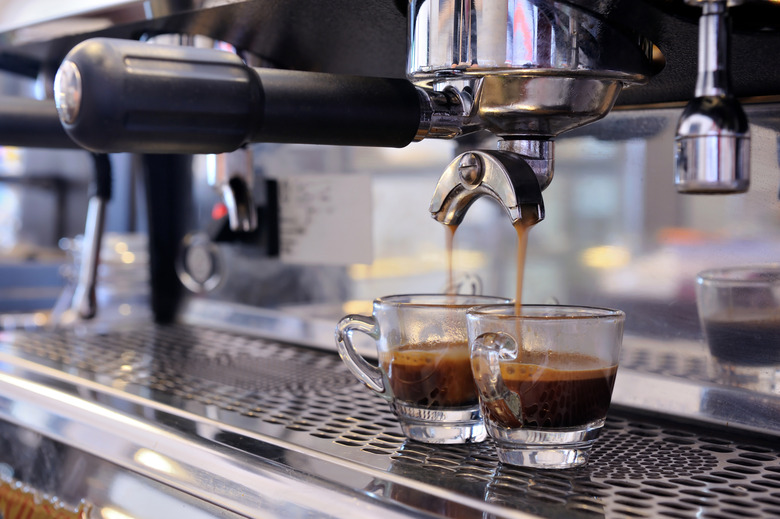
(128, 96)
(31, 123)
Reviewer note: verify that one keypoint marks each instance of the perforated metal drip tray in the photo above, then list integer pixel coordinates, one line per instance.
(301, 409)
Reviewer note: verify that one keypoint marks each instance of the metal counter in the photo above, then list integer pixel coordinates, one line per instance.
(256, 427)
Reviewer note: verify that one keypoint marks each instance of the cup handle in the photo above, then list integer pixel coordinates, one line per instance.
(487, 350)
(370, 375)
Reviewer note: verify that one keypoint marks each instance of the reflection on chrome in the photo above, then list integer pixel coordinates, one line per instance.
(154, 461)
(108, 512)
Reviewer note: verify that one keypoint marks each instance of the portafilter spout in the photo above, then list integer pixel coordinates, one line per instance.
(499, 174)
(533, 70)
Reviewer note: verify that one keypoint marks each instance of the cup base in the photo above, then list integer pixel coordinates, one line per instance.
(442, 426)
(764, 379)
(560, 448)
(543, 457)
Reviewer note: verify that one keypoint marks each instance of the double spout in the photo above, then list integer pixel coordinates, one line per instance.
(503, 175)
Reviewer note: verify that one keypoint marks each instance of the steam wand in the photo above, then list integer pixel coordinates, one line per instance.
(713, 136)
(84, 302)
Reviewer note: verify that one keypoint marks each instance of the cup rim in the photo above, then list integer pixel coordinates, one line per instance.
(735, 275)
(438, 300)
(572, 312)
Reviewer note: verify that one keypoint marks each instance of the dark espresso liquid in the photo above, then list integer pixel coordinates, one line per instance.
(553, 389)
(748, 342)
(431, 375)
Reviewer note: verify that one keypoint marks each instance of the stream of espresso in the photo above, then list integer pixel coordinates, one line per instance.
(522, 227)
(450, 239)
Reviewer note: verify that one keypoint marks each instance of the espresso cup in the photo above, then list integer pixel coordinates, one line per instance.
(424, 370)
(739, 309)
(544, 374)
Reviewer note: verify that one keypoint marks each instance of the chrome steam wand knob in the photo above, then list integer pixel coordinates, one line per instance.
(84, 301)
(713, 136)
(232, 176)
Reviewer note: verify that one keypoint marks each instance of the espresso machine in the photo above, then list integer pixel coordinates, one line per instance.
(297, 159)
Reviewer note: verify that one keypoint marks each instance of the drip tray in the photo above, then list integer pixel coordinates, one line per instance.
(300, 410)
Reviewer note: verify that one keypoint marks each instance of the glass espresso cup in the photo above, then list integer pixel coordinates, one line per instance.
(424, 369)
(739, 309)
(545, 377)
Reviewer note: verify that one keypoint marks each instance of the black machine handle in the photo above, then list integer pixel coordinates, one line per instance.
(128, 96)
(31, 123)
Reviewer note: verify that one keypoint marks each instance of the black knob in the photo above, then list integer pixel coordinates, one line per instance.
(128, 96)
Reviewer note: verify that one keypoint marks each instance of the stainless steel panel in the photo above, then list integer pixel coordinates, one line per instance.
(251, 422)
(45, 472)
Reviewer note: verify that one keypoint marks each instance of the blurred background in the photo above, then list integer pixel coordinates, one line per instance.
(340, 226)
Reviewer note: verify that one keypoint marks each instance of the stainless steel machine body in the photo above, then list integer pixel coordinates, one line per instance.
(234, 403)
(263, 428)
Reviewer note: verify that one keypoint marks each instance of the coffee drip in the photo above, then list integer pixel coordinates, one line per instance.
(450, 239)
(522, 229)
